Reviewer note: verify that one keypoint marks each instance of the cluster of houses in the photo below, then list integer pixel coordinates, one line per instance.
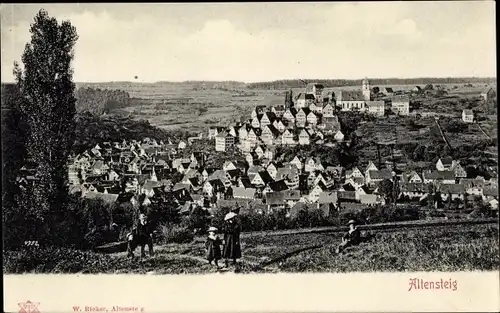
(147, 171)
(143, 172)
(311, 118)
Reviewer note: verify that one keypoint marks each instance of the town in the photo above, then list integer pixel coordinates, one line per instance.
(162, 139)
(142, 172)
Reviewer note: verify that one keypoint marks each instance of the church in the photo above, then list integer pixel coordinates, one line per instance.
(349, 100)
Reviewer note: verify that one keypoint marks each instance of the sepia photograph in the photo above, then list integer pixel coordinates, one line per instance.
(250, 138)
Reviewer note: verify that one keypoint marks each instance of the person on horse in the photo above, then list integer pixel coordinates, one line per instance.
(350, 238)
(141, 235)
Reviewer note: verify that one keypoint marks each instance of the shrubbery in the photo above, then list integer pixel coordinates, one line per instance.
(176, 234)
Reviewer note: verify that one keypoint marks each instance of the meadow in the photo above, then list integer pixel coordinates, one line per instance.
(446, 248)
(195, 106)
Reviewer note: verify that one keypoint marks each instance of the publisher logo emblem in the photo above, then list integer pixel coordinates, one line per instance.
(29, 307)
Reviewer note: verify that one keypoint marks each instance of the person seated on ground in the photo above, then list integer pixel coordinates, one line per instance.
(141, 235)
(351, 238)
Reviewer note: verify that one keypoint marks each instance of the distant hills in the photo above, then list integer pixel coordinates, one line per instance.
(298, 83)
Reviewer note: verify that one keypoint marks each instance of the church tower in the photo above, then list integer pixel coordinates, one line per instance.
(366, 89)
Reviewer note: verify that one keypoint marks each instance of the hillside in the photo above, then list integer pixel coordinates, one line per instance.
(463, 248)
(91, 130)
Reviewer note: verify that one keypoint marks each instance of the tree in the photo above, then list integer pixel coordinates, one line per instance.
(376, 90)
(289, 99)
(386, 189)
(48, 104)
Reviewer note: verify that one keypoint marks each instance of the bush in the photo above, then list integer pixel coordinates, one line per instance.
(176, 234)
(198, 220)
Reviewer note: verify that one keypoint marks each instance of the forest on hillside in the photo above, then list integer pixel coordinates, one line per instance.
(298, 83)
(98, 101)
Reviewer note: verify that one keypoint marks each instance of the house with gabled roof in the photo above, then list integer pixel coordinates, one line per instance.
(261, 179)
(355, 181)
(474, 186)
(330, 124)
(456, 191)
(328, 197)
(354, 172)
(243, 193)
(374, 177)
(259, 109)
(291, 197)
(267, 119)
(458, 170)
(313, 118)
(376, 108)
(272, 169)
(212, 187)
(414, 190)
(148, 187)
(400, 105)
(371, 167)
(256, 121)
(316, 108)
(244, 182)
(301, 117)
(411, 177)
(279, 125)
(297, 161)
(468, 116)
(278, 110)
(444, 177)
(270, 134)
(339, 136)
(303, 100)
(325, 179)
(288, 138)
(107, 198)
(316, 191)
(444, 164)
(290, 115)
(304, 137)
(328, 110)
(243, 132)
(275, 186)
(253, 135)
(310, 164)
(334, 171)
(388, 91)
(224, 141)
(488, 93)
(275, 201)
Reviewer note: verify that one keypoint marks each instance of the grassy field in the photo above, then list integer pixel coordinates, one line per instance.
(196, 106)
(450, 248)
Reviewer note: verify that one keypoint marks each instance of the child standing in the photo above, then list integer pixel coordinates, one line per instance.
(212, 244)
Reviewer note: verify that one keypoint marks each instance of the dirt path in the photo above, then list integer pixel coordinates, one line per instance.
(442, 134)
(481, 129)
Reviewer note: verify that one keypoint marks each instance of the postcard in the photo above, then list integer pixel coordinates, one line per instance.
(250, 157)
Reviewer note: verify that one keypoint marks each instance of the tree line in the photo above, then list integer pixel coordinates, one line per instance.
(298, 83)
(99, 101)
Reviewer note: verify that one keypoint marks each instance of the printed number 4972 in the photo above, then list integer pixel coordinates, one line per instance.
(31, 243)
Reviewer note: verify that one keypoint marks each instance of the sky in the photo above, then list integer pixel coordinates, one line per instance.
(266, 41)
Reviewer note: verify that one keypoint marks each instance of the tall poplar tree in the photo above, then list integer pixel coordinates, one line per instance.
(48, 104)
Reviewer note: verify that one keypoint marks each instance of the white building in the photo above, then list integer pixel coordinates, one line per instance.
(468, 116)
(223, 141)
